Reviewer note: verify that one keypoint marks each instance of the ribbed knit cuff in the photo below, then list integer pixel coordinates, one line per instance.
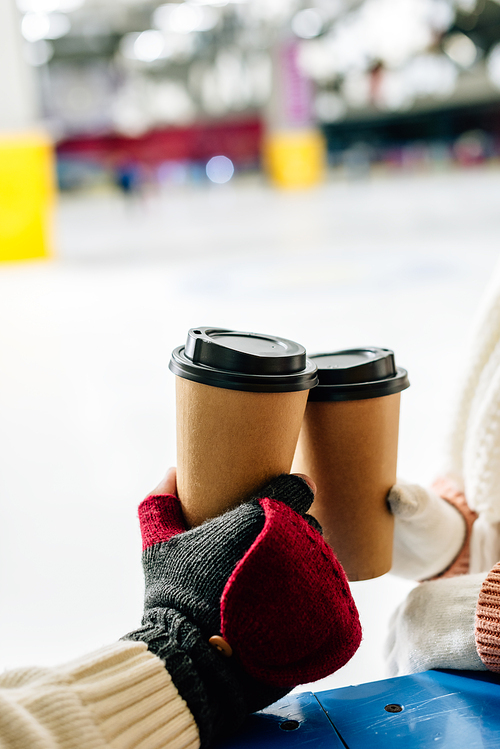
(488, 620)
(132, 698)
(449, 490)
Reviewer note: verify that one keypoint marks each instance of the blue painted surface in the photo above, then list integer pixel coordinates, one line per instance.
(262, 730)
(455, 710)
(445, 709)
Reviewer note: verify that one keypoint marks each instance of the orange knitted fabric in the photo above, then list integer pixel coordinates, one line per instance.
(450, 491)
(488, 620)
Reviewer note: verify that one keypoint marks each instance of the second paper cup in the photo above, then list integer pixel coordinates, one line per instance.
(348, 445)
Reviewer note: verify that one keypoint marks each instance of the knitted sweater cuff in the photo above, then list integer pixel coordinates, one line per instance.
(488, 620)
(132, 698)
(449, 490)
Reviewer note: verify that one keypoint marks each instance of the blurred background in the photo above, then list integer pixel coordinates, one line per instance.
(323, 170)
(141, 94)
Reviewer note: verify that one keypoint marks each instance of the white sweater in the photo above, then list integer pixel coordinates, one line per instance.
(474, 443)
(118, 697)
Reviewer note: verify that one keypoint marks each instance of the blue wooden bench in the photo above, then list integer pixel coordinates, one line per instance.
(442, 709)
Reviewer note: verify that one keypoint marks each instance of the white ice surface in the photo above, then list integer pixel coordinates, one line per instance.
(87, 421)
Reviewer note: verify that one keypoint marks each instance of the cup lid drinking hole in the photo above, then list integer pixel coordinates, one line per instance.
(243, 361)
(355, 374)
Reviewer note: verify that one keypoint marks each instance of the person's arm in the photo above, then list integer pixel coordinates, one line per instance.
(434, 627)
(237, 612)
(432, 530)
(116, 697)
(448, 623)
(259, 579)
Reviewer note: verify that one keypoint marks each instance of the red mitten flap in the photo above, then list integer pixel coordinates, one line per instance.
(287, 610)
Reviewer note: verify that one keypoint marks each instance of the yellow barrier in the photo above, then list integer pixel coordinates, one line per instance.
(27, 193)
(295, 159)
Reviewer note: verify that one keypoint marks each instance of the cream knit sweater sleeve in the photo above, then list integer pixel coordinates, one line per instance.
(118, 697)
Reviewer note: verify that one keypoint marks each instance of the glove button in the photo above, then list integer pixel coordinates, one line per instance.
(220, 644)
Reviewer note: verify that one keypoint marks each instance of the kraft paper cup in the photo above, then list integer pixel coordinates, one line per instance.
(240, 400)
(348, 445)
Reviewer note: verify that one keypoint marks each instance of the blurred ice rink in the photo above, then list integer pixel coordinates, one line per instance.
(87, 413)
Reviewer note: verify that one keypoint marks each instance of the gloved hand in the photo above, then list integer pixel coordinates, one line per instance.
(435, 627)
(261, 578)
(428, 532)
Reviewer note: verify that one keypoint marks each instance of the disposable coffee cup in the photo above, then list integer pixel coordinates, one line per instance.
(348, 445)
(240, 400)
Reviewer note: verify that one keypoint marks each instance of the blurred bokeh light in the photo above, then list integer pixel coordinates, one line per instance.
(173, 126)
(131, 67)
(220, 169)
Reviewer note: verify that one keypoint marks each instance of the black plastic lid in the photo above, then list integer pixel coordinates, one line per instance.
(243, 361)
(355, 374)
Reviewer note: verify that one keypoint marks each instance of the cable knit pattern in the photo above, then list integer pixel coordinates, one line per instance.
(134, 700)
(488, 620)
(449, 490)
(118, 697)
(484, 338)
(482, 445)
(219, 579)
(474, 464)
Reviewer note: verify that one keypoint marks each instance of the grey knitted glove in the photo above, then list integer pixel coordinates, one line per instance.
(259, 579)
